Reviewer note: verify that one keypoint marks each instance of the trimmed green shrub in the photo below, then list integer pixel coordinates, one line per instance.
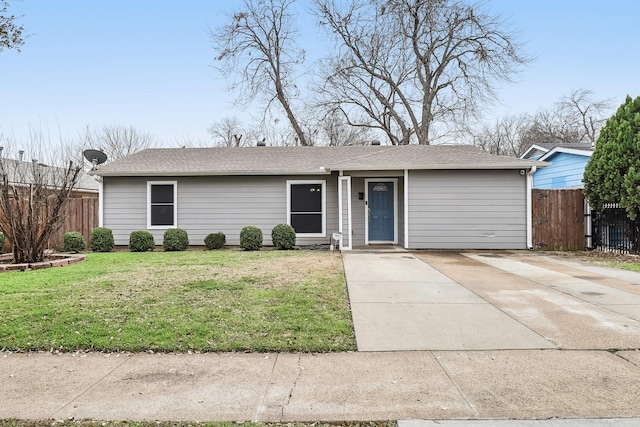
(215, 240)
(141, 241)
(283, 236)
(74, 242)
(2, 241)
(101, 239)
(251, 238)
(175, 239)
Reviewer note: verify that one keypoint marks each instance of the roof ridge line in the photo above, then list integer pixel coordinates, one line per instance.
(379, 150)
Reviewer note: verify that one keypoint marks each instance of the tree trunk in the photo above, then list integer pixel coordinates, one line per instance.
(292, 118)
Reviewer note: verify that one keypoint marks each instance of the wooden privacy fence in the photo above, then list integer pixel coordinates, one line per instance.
(558, 220)
(82, 216)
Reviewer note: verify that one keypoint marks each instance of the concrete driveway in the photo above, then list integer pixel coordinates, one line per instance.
(489, 301)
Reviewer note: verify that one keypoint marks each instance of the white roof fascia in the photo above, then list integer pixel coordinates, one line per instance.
(533, 147)
(444, 166)
(554, 150)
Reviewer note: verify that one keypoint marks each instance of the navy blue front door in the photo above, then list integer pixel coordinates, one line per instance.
(381, 211)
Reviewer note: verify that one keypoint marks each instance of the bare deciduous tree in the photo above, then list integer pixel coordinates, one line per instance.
(410, 65)
(259, 47)
(227, 132)
(272, 133)
(504, 136)
(336, 131)
(115, 141)
(550, 126)
(33, 197)
(10, 33)
(585, 112)
(576, 118)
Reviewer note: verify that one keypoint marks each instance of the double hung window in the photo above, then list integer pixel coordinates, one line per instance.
(162, 204)
(306, 207)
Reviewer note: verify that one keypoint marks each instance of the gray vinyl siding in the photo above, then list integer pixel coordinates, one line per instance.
(211, 204)
(467, 210)
(125, 207)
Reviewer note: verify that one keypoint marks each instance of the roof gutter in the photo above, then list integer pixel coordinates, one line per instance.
(448, 166)
(325, 171)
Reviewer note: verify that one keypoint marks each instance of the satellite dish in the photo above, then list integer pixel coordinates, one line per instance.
(96, 157)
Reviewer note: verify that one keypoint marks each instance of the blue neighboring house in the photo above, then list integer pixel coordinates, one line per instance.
(567, 164)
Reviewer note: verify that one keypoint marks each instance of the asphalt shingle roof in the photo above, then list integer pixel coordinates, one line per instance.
(304, 160)
(21, 173)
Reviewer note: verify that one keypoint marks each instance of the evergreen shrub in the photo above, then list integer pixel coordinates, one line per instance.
(175, 239)
(251, 238)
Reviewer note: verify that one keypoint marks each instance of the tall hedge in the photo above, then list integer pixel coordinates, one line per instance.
(613, 172)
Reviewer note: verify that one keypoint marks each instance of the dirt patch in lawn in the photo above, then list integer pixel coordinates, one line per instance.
(294, 268)
(263, 270)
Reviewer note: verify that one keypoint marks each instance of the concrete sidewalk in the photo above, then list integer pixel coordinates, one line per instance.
(516, 384)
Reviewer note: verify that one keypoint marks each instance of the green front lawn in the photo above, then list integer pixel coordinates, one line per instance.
(632, 266)
(179, 301)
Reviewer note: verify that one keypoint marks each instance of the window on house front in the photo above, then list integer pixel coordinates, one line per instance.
(161, 204)
(306, 207)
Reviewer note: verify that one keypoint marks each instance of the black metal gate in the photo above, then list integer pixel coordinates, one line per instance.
(613, 231)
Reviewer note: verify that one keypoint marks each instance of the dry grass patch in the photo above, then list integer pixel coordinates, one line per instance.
(611, 259)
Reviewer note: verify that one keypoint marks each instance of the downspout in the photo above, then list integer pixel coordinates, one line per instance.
(532, 171)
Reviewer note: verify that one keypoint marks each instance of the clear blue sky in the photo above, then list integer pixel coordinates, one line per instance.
(149, 63)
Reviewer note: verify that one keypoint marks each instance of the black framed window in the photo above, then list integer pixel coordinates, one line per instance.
(162, 204)
(306, 207)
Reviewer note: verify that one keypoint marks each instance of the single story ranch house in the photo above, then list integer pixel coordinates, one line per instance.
(418, 197)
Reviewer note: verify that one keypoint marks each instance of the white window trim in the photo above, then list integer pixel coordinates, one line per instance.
(348, 232)
(175, 205)
(324, 205)
(406, 208)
